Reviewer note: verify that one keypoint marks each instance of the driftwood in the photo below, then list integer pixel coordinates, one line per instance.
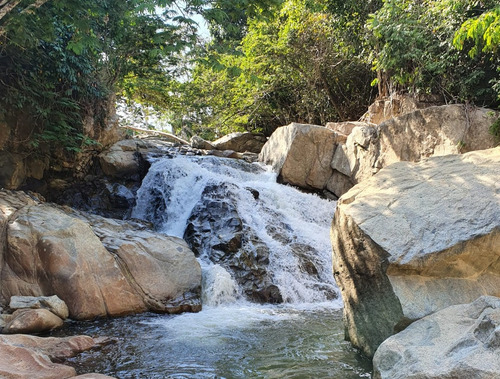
(157, 132)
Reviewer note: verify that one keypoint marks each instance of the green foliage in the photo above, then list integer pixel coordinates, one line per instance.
(228, 19)
(60, 62)
(414, 47)
(484, 33)
(495, 130)
(302, 63)
(483, 30)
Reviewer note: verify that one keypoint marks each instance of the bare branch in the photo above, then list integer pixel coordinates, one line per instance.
(7, 7)
(162, 134)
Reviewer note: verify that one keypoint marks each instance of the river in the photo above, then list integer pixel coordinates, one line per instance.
(232, 337)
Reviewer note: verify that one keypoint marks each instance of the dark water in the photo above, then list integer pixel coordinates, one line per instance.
(236, 341)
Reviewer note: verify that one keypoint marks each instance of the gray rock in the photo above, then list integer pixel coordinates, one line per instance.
(412, 137)
(461, 341)
(241, 142)
(414, 239)
(200, 143)
(51, 303)
(299, 153)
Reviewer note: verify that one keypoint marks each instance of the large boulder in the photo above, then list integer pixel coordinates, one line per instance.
(121, 159)
(33, 357)
(341, 155)
(302, 154)
(461, 341)
(241, 142)
(414, 239)
(199, 143)
(423, 133)
(163, 268)
(49, 250)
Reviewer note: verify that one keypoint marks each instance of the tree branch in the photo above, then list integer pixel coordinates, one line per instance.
(9, 5)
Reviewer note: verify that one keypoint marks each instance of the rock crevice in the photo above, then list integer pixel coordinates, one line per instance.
(436, 231)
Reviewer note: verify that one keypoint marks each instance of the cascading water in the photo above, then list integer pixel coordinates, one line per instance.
(289, 228)
(256, 240)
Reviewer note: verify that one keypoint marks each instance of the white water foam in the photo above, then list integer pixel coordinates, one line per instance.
(219, 287)
(180, 182)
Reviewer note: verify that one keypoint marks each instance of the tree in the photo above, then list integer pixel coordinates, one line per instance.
(302, 63)
(484, 33)
(414, 49)
(63, 61)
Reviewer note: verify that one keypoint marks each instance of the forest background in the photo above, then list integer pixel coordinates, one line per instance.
(266, 63)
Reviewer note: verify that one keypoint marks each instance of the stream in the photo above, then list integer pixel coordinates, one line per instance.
(283, 238)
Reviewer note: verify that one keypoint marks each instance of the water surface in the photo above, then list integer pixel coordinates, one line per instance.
(234, 341)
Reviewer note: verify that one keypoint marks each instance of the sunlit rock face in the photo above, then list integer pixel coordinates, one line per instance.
(414, 239)
(334, 158)
(302, 154)
(461, 341)
(98, 266)
(241, 142)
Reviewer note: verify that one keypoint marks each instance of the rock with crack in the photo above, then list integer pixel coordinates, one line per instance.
(414, 239)
(302, 154)
(98, 266)
(461, 341)
(33, 357)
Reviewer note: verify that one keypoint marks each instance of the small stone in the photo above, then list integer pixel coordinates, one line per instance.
(51, 303)
(27, 321)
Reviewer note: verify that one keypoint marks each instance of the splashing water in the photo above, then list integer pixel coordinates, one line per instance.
(230, 337)
(281, 217)
(218, 286)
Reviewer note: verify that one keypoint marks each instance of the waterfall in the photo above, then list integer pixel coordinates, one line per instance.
(237, 215)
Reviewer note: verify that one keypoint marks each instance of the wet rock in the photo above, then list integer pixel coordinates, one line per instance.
(414, 239)
(99, 195)
(28, 321)
(51, 303)
(216, 230)
(461, 341)
(241, 142)
(23, 356)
